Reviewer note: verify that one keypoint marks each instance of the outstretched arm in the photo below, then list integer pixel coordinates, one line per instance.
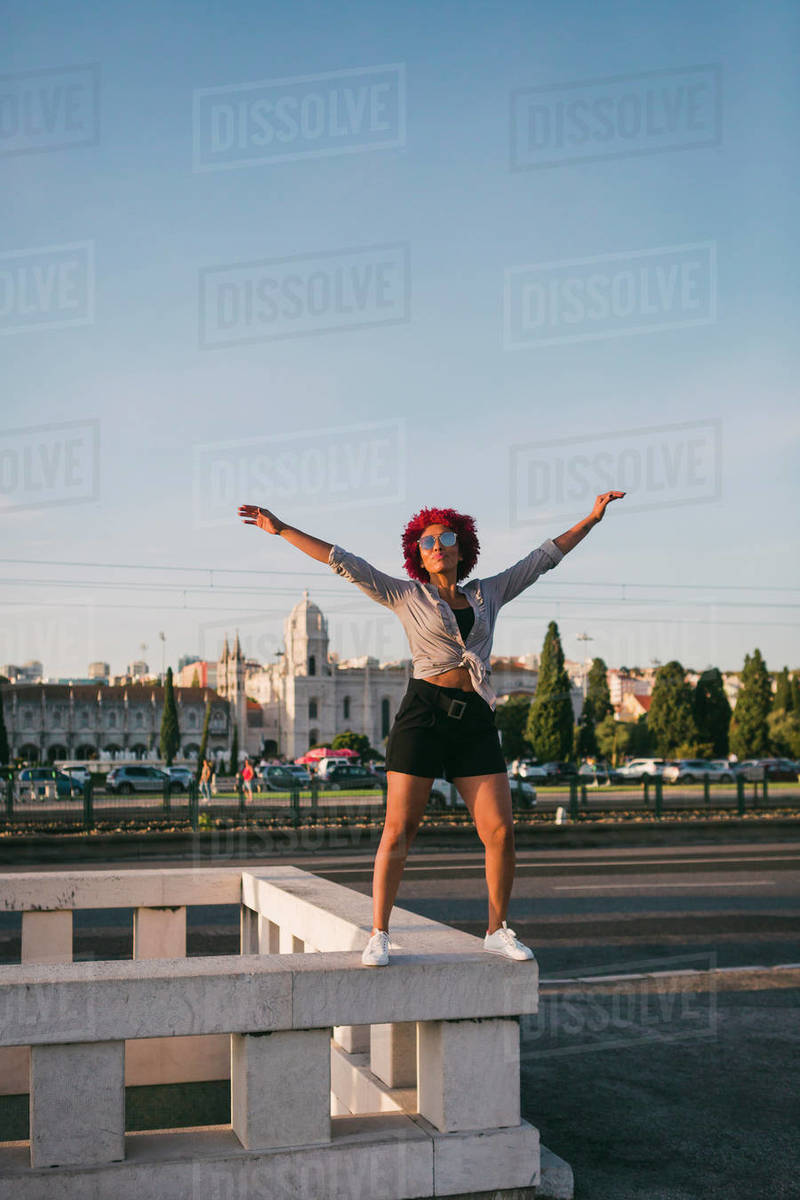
(251, 514)
(567, 541)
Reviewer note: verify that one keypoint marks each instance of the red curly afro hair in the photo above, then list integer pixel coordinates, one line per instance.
(462, 526)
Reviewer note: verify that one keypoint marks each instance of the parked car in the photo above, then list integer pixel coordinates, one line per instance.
(522, 790)
(694, 770)
(40, 780)
(180, 778)
(324, 765)
(524, 769)
(126, 780)
(642, 768)
(444, 792)
(285, 778)
(777, 770)
(79, 775)
(343, 777)
(560, 772)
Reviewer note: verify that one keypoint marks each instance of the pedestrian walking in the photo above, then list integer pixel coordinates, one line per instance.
(445, 724)
(247, 779)
(205, 782)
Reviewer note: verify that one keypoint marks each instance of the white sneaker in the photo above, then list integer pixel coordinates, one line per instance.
(504, 941)
(376, 951)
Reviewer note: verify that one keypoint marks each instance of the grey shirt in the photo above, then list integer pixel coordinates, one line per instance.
(430, 624)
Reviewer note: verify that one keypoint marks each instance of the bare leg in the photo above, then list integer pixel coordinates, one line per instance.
(406, 797)
(488, 798)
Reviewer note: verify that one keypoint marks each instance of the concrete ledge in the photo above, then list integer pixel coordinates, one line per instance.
(382, 1157)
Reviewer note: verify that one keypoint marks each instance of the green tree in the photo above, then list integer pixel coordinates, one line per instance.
(550, 720)
(5, 752)
(348, 740)
(234, 765)
(671, 717)
(597, 690)
(784, 733)
(782, 698)
(795, 691)
(585, 739)
(170, 738)
(203, 741)
(712, 711)
(749, 730)
(512, 720)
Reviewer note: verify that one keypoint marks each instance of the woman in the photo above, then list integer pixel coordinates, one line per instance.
(445, 723)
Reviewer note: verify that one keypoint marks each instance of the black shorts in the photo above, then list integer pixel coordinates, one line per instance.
(426, 741)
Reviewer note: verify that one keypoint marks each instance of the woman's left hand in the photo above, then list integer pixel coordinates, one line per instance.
(602, 502)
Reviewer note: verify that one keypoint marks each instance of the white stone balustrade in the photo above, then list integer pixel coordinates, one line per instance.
(436, 1113)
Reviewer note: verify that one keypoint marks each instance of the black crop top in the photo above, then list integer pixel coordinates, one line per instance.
(465, 619)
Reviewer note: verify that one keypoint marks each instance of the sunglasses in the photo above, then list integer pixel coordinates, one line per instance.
(448, 538)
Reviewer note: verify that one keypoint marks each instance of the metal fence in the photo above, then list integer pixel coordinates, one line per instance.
(33, 805)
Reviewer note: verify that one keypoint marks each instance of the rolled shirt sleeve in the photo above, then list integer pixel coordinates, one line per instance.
(374, 583)
(509, 583)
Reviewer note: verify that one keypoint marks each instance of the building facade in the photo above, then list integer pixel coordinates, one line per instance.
(50, 722)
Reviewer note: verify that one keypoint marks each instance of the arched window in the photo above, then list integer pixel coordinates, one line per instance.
(385, 717)
(346, 707)
(312, 665)
(312, 709)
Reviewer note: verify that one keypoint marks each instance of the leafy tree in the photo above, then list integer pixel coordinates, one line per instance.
(782, 699)
(585, 739)
(348, 740)
(795, 692)
(671, 717)
(784, 733)
(234, 763)
(512, 720)
(170, 738)
(597, 690)
(712, 712)
(749, 730)
(550, 720)
(201, 756)
(5, 752)
(607, 735)
(618, 739)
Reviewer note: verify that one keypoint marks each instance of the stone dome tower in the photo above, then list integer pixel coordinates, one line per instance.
(306, 635)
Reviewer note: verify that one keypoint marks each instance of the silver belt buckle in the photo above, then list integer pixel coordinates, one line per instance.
(461, 705)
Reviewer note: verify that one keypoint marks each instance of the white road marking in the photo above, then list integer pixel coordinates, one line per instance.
(692, 883)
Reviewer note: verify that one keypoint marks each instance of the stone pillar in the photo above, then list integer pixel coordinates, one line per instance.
(77, 1104)
(159, 932)
(268, 936)
(280, 1088)
(248, 930)
(287, 944)
(468, 1073)
(393, 1053)
(354, 1039)
(47, 937)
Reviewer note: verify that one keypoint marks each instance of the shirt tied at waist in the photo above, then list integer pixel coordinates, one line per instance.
(479, 676)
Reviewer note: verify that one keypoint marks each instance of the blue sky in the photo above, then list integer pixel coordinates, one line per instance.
(702, 567)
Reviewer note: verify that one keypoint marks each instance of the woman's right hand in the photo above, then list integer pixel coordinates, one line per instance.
(251, 514)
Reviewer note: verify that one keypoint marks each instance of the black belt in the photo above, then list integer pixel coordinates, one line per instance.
(453, 708)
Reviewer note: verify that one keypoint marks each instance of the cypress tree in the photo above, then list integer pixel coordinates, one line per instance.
(670, 720)
(795, 693)
(235, 749)
(512, 719)
(749, 729)
(585, 745)
(203, 741)
(5, 753)
(170, 738)
(712, 711)
(550, 720)
(597, 690)
(782, 699)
